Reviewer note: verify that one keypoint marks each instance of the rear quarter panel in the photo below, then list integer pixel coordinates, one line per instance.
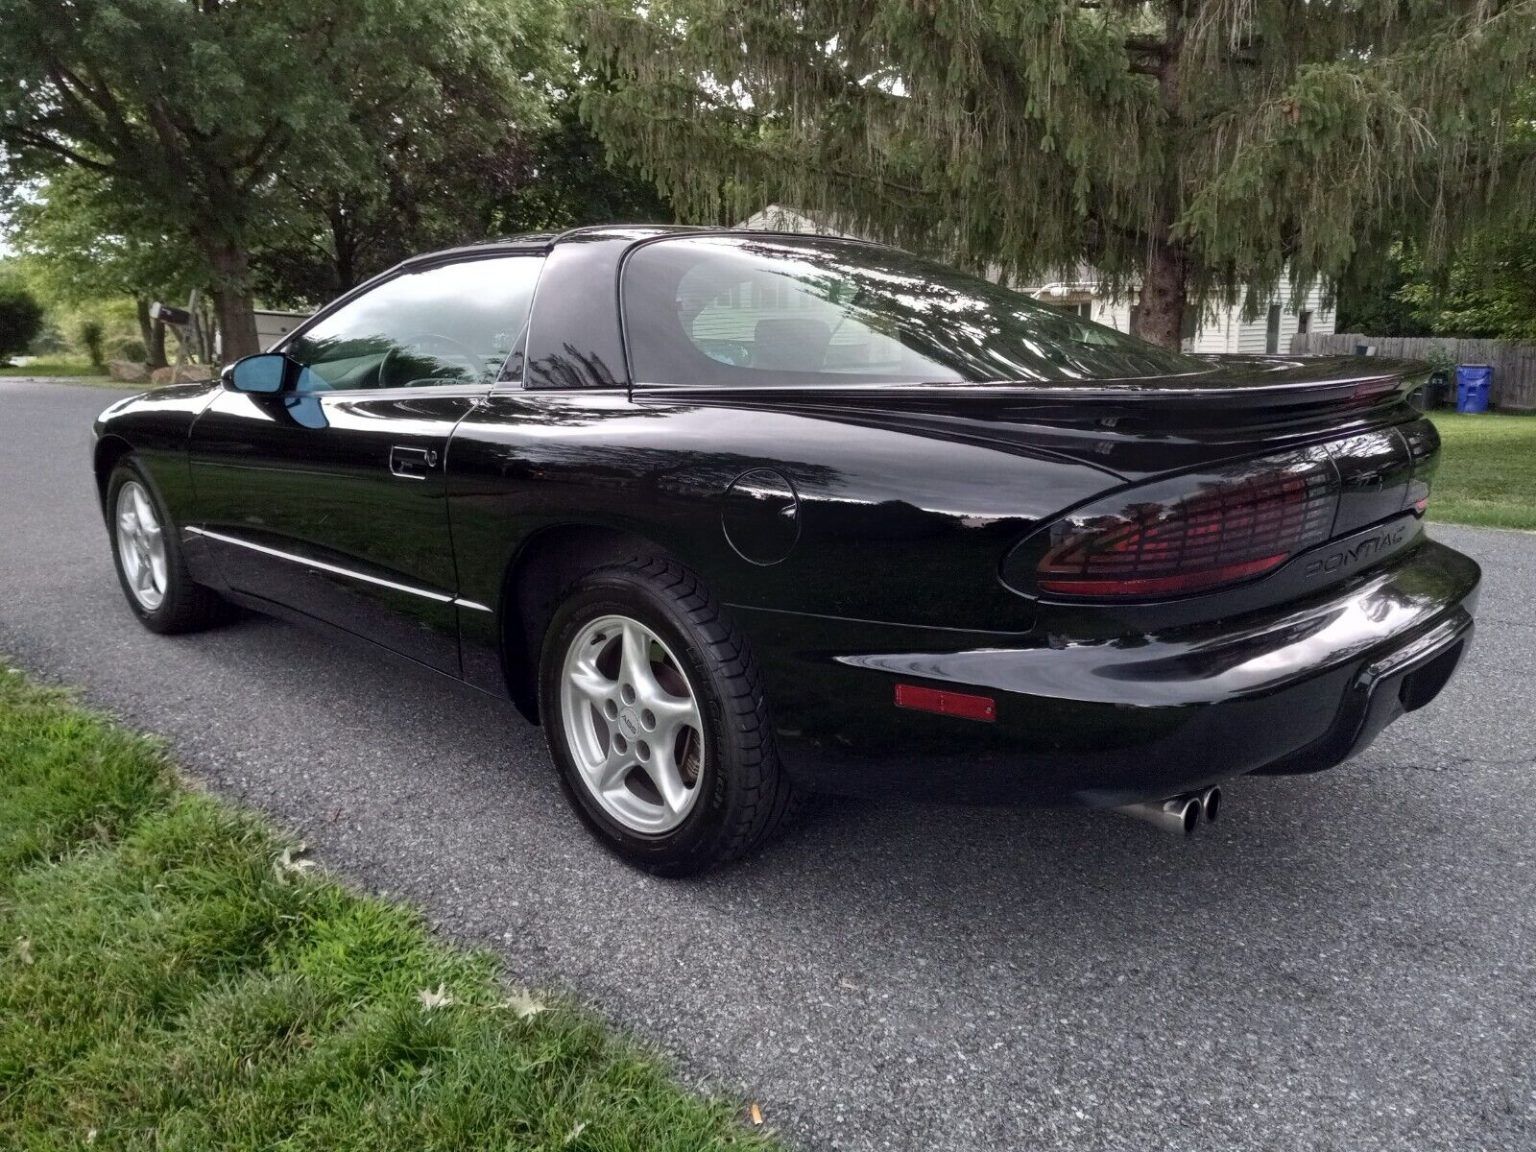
(892, 526)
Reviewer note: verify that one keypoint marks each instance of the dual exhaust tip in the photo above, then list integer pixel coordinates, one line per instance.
(1181, 815)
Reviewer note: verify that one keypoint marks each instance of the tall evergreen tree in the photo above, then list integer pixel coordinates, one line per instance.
(1196, 147)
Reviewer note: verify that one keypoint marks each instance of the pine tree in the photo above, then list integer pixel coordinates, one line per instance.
(1198, 148)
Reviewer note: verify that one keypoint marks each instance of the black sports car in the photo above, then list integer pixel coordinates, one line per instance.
(735, 515)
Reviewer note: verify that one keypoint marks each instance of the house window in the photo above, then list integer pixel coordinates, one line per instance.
(1304, 323)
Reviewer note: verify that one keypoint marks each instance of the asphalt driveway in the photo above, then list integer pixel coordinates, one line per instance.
(1347, 961)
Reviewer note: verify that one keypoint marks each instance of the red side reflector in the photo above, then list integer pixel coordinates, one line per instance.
(959, 704)
(1421, 506)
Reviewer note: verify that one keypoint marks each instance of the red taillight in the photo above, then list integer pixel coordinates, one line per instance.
(1235, 528)
(961, 704)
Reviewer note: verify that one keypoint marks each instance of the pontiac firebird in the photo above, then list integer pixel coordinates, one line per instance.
(737, 515)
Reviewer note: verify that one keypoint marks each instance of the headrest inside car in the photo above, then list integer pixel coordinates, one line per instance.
(790, 345)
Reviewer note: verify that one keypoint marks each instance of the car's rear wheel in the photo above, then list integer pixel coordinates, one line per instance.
(147, 554)
(655, 716)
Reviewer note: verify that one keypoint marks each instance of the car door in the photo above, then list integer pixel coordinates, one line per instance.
(329, 499)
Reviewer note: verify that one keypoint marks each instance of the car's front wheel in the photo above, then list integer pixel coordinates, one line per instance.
(655, 716)
(148, 558)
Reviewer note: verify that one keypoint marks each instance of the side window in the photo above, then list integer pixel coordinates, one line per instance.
(450, 324)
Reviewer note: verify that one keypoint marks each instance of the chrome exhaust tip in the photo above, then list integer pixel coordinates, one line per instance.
(1210, 804)
(1179, 815)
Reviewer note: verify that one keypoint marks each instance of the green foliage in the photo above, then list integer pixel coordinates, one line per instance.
(462, 184)
(93, 339)
(220, 121)
(73, 368)
(1216, 142)
(567, 180)
(50, 339)
(128, 348)
(171, 976)
(286, 149)
(21, 318)
(81, 242)
(1370, 300)
(1487, 290)
(439, 139)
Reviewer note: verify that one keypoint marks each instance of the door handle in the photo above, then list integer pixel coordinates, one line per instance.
(411, 463)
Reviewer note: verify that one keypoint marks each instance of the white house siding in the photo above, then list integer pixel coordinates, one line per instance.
(1114, 314)
(1251, 335)
(1214, 335)
(273, 326)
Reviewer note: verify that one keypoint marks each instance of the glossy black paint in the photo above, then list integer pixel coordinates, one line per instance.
(340, 479)
(862, 537)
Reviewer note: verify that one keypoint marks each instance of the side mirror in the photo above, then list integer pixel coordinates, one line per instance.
(265, 373)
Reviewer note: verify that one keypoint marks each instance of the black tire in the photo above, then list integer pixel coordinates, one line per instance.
(745, 795)
(186, 606)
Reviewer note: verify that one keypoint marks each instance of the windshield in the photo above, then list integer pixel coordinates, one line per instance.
(752, 310)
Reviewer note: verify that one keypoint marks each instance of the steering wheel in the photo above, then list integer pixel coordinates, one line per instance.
(450, 361)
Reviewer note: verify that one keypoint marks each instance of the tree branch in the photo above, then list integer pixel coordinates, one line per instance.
(32, 139)
(272, 140)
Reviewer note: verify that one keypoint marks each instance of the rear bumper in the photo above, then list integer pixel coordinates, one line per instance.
(1099, 721)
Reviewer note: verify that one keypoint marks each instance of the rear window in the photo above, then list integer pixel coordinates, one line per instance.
(762, 310)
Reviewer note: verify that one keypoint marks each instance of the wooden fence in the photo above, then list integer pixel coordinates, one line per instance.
(1514, 362)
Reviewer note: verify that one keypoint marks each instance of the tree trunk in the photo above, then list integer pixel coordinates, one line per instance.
(141, 314)
(1160, 318)
(344, 244)
(156, 346)
(232, 304)
(151, 333)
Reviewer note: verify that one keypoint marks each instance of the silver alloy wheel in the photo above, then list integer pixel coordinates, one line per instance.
(141, 545)
(632, 724)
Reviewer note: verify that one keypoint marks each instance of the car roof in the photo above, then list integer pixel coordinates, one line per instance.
(544, 241)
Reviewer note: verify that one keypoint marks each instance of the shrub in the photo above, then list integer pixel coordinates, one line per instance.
(50, 341)
(129, 348)
(21, 320)
(93, 337)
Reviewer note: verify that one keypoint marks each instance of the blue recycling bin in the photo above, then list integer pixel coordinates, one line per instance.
(1473, 383)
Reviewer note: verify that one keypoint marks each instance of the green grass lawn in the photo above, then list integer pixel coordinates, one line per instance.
(1487, 470)
(55, 366)
(174, 976)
